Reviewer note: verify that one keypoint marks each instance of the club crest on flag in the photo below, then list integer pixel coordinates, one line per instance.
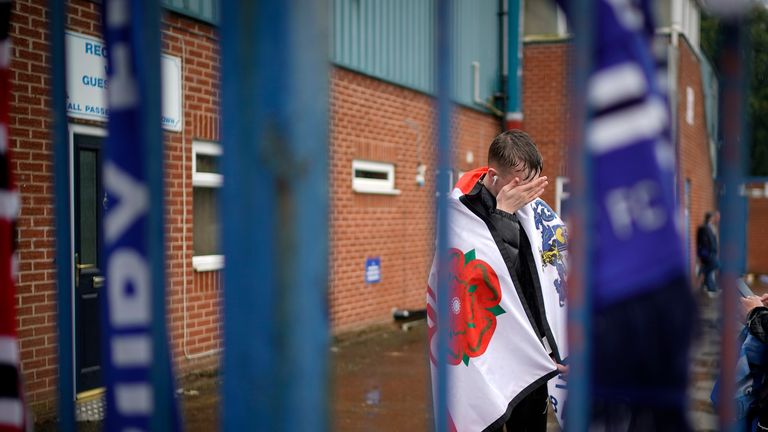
(554, 238)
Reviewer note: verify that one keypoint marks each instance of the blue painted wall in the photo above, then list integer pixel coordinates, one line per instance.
(393, 40)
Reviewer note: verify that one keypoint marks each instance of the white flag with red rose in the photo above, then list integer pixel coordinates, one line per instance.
(495, 357)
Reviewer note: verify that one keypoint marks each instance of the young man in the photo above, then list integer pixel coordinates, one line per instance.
(510, 250)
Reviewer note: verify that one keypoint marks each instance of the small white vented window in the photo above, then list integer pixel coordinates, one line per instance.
(373, 177)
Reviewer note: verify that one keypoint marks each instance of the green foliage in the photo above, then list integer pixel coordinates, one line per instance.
(758, 99)
(710, 27)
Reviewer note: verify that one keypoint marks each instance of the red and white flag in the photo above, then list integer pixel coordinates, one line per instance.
(495, 357)
(12, 412)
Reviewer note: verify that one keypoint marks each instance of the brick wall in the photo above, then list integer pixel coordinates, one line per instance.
(370, 120)
(32, 162)
(545, 106)
(545, 116)
(377, 121)
(757, 234)
(196, 45)
(191, 294)
(693, 151)
(374, 120)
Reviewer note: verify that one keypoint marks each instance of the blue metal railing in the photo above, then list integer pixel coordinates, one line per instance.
(514, 114)
(734, 68)
(443, 79)
(275, 201)
(579, 278)
(164, 417)
(61, 164)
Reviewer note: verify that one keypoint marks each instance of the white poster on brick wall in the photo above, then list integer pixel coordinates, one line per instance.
(87, 82)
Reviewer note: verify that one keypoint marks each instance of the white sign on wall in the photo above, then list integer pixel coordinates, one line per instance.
(87, 82)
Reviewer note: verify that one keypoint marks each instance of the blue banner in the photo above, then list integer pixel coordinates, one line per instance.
(137, 395)
(637, 246)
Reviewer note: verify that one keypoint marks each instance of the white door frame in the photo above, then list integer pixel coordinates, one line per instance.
(75, 129)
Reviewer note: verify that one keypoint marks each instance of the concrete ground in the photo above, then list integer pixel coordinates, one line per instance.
(705, 355)
(380, 381)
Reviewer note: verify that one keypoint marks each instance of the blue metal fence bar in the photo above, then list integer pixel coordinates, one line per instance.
(274, 214)
(579, 278)
(514, 115)
(443, 32)
(164, 417)
(734, 67)
(61, 165)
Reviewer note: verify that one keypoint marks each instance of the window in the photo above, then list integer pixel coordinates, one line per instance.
(204, 10)
(689, 105)
(206, 183)
(662, 13)
(683, 16)
(543, 18)
(373, 177)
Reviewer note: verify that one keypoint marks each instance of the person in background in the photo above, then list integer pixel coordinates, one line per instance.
(706, 250)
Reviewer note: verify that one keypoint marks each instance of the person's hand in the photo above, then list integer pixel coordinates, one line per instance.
(514, 195)
(749, 303)
(563, 370)
(764, 299)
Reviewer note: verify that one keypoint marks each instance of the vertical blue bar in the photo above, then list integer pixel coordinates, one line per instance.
(580, 274)
(514, 61)
(275, 204)
(443, 78)
(165, 416)
(61, 164)
(734, 67)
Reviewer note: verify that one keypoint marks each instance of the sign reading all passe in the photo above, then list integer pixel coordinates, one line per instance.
(87, 82)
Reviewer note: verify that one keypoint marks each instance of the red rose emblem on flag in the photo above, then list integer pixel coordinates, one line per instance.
(473, 304)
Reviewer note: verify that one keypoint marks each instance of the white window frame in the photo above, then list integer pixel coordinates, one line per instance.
(690, 105)
(562, 22)
(203, 263)
(374, 186)
(685, 17)
(212, 180)
(561, 18)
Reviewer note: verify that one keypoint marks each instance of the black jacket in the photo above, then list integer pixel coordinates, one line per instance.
(706, 245)
(757, 322)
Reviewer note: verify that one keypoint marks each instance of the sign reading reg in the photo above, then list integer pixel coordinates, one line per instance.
(87, 82)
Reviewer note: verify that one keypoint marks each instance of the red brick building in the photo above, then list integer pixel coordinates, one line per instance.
(757, 235)
(696, 153)
(193, 301)
(546, 117)
(379, 121)
(370, 120)
(382, 121)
